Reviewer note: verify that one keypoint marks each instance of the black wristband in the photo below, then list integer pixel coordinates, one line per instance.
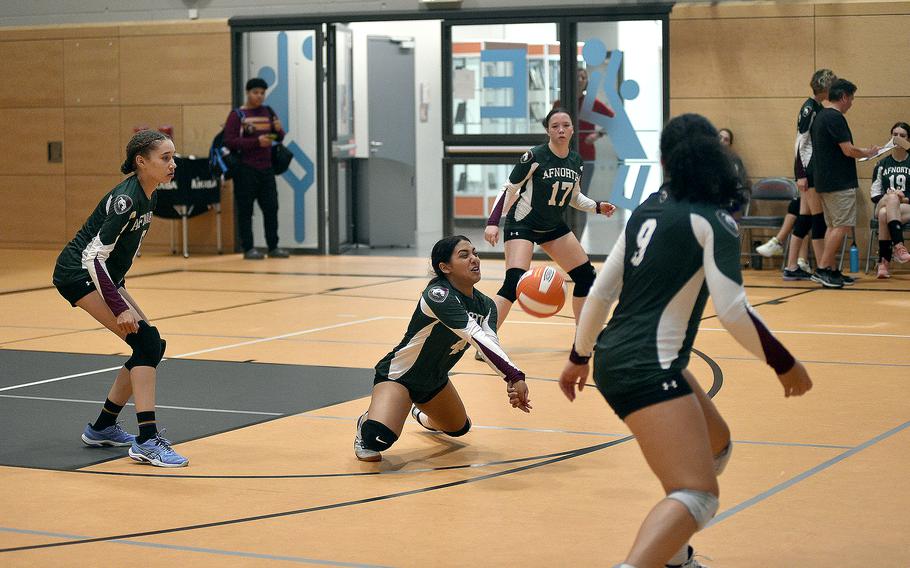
(518, 376)
(577, 359)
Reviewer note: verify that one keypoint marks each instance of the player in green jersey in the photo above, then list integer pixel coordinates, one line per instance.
(450, 314)
(892, 206)
(90, 275)
(540, 188)
(679, 245)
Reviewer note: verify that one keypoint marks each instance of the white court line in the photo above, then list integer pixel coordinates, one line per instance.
(51, 399)
(843, 333)
(191, 353)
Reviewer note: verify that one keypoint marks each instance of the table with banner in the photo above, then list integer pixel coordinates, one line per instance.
(193, 191)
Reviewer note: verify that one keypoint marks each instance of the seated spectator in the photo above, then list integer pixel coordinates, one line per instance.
(892, 206)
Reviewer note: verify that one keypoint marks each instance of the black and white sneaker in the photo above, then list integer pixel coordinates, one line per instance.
(421, 418)
(827, 278)
(848, 280)
(796, 274)
(363, 453)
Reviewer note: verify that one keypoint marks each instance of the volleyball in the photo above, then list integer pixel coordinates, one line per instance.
(541, 291)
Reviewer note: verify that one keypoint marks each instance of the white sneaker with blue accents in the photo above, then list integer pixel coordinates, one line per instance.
(158, 452)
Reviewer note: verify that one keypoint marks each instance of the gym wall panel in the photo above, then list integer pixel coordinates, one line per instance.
(200, 125)
(82, 195)
(174, 27)
(175, 69)
(862, 8)
(92, 144)
(716, 11)
(23, 146)
(57, 32)
(746, 57)
(154, 117)
(91, 71)
(870, 120)
(764, 129)
(870, 51)
(37, 70)
(34, 210)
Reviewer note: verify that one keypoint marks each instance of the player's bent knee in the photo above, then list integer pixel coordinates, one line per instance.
(701, 504)
(510, 284)
(802, 226)
(583, 276)
(377, 436)
(147, 347)
(464, 429)
(721, 459)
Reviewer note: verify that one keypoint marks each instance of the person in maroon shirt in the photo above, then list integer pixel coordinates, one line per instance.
(250, 132)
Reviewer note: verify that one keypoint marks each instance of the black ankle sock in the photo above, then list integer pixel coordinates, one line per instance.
(147, 426)
(884, 250)
(897, 232)
(108, 415)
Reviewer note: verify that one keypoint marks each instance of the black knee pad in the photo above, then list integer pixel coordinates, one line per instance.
(147, 348)
(583, 276)
(376, 436)
(818, 226)
(513, 275)
(161, 355)
(793, 208)
(802, 226)
(464, 429)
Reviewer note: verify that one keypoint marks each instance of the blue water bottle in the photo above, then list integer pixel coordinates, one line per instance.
(854, 258)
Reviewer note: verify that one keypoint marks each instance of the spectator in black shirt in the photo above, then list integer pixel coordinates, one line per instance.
(834, 167)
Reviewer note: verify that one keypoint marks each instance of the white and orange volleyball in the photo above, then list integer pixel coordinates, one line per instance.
(541, 291)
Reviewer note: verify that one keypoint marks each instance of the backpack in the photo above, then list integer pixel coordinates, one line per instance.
(222, 161)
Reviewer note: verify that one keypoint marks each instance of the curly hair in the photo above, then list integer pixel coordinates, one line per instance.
(142, 143)
(699, 167)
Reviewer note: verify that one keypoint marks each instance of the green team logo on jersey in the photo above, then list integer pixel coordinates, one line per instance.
(728, 223)
(439, 294)
(122, 204)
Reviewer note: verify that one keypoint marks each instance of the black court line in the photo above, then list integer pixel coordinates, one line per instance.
(773, 301)
(573, 454)
(51, 287)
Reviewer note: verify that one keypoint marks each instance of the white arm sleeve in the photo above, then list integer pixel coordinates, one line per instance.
(581, 201)
(603, 293)
(729, 297)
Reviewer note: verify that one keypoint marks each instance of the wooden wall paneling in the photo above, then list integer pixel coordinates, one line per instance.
(870, 51)
(152, 117)
(23, 146)
(764, 129)
(34, 210)
(83, 193)
(91, 71)
(754, 57)
(68, 31)
(200, 124)
(862, 8)
(870, 121)
(717, 11)
(92, 144)
(32, 73)
(175, 69)
(175, 27)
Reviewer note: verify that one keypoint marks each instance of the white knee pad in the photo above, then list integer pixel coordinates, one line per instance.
(701, 504)
(721, 459)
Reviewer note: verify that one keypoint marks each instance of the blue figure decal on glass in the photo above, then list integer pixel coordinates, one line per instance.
(517, 82)
(278, 99)
(619, 128)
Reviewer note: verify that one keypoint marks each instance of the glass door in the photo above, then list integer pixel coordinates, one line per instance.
(290, 61)
(343, 146)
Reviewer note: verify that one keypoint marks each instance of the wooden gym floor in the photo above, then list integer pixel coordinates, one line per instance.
(814, 481)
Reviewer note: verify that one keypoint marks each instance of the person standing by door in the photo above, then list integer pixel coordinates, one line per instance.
(250, 131)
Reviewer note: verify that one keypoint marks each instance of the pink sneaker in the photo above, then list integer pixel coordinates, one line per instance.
(883, 269)
(900, 253)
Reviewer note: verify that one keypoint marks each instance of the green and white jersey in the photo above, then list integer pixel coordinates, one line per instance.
(105, 246)
(890, 175)
(670, 256)
(443, 324)
(546, 184)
